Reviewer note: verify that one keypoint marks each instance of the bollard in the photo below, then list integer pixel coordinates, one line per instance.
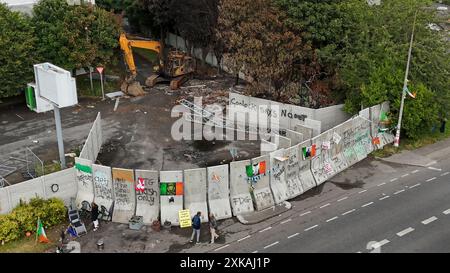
(100, 245)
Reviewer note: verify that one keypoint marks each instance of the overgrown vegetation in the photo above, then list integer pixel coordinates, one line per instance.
(68, 36)
(23, 218)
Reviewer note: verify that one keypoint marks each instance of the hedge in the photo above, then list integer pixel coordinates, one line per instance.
(23, 218)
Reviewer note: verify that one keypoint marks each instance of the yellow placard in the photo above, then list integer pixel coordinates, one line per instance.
(184, 217)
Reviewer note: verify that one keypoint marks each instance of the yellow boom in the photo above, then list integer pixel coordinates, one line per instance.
(127, 45)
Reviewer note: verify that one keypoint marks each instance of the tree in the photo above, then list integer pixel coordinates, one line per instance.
(74, 36)
(17, 47)
(259, 44)
(375, 55)
(196, 22)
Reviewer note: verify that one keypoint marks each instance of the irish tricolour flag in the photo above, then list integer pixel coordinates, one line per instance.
(40, 233)
(256, 169)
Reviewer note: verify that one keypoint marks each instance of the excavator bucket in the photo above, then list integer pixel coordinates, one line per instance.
(133, 88)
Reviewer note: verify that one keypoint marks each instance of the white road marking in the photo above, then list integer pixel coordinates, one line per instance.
(405, 175)
(382, 198)
(308, 212)
(446, 212)
(293, 235)
(343, 198)
(362, 191)
(326, 205)
(368, 204)
(347, 212)
(414, 171)
(311, 227)
(256, 251)
(222, 247)
(384, 183)
(285, 221)
(380, 243)
(429, 220)
(435, 169)
(271, 244)
(393, 179)
(242, 239)
(331, 219)
(444, 174)
(397, 192)
(405, 231)
(413, 186)
(267, 228)
(431, 179)
(359, 252)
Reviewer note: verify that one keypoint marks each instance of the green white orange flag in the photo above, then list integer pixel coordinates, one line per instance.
(40, 233)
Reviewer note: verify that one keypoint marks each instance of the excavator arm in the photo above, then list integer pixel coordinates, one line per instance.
(127, 45)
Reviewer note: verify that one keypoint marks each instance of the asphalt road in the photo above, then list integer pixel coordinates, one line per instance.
(407, 211)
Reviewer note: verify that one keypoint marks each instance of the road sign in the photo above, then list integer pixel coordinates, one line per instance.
(100, 69)
(184, 217)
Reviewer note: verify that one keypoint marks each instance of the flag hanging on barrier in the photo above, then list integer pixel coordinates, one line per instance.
(256, 169)
(175, 188)
(309, 151)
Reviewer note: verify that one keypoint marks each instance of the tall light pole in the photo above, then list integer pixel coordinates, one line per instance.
(405, 83)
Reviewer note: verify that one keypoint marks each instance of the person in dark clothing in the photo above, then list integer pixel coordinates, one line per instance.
(443, 122)
(196, 224)
(94, 215)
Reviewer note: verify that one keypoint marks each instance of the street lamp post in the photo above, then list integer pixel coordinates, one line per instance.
(405, 83)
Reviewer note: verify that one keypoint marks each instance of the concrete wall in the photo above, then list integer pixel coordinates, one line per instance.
(61, 185)
(195, 192)
(219, 192)
(241, 200)
(103, 186)
(290, 116)
(147, 201)
(124, 194)
(262, 194)
(85, 191)
(171, 202)
(94, 141)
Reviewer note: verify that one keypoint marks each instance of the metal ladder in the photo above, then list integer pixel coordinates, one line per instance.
(206, 115)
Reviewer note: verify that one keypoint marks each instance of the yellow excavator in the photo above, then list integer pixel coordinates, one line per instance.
(176, 68)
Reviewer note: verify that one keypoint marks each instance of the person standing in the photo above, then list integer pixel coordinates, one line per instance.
(94, 215)
(213, 227)
(196, 224)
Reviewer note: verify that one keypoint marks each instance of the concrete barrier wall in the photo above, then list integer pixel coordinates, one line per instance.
(278, 176)
(171, 195)
(103, 186)
(348, 142)
(305, 131)
(85, 191)
(219, 192)
(262, 194)
(293, 184)
(337, 150)
(241, 200)
(124, 194)
(61, 185)
(294, 136)
(291, 115)
(94, 141)
(305, 176)
(195, 192)
(147, 200)
(322, 166)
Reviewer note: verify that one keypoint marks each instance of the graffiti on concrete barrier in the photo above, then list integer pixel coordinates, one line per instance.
(241, 200)
(101, 185)
(122, 192)
(148, 194)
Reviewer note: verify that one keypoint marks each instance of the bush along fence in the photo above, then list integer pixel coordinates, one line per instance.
(225, 190)
(23, 217)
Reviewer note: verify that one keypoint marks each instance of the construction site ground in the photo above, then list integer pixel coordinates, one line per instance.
(137, 135)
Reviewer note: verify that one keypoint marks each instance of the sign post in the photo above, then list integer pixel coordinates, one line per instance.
(59, 136)
(100, 70)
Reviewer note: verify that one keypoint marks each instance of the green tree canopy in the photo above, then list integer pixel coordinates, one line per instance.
(74, 36)
(17, 45)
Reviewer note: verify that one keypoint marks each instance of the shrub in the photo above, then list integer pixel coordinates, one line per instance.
(24, 217)
(9, 228)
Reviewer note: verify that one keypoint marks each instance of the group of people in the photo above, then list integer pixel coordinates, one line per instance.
(196, 225)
